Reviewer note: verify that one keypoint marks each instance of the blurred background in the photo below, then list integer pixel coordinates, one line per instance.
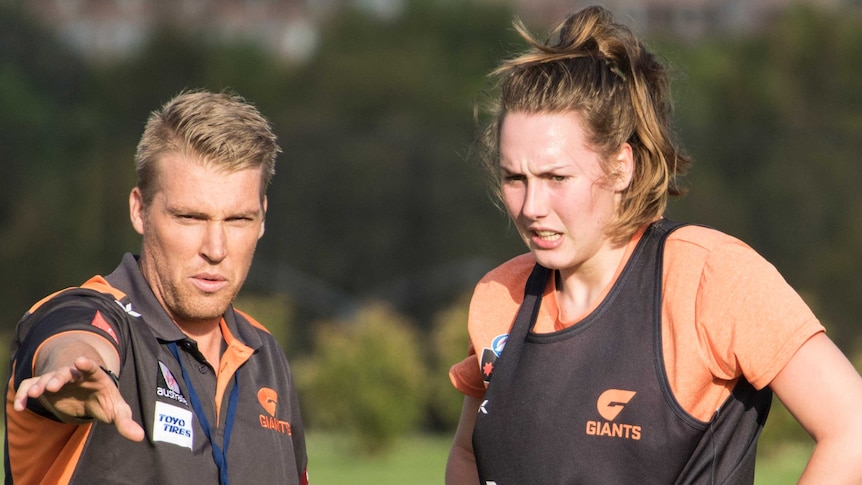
(380, 221)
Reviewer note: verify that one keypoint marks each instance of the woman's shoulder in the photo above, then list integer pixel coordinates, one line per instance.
(505, 283)
(703, 237)
(696, 242)
(513, 271)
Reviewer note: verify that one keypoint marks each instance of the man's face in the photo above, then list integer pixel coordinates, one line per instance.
(199, 235)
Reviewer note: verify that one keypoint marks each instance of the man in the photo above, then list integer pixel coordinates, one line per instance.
(149, 375)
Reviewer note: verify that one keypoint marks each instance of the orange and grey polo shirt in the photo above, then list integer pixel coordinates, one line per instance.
(252, 396)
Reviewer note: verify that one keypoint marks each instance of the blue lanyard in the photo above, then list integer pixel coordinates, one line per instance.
(219, 453)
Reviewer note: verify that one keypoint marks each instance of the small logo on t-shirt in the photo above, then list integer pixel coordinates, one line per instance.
(268, 399)
(128, 308)
(609, 405)
(490, 355)
(168, 386)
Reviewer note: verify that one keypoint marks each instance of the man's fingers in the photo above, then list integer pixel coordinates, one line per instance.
(94, 391)
(35, 387)
(129, 429)
(64, 386)
(23, 393)
(57, 380)
(89, 369)
(117, 410)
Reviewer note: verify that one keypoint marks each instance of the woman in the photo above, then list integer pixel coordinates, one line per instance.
(625, 348)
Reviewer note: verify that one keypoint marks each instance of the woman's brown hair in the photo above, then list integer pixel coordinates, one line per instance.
(599, 70)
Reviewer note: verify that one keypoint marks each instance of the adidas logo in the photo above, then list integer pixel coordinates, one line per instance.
(128, 308)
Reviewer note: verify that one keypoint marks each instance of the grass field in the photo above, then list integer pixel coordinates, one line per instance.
(415, 460)
(421, 460)
(782, 466)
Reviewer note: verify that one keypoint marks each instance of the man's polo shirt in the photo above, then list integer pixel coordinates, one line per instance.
(266, 441)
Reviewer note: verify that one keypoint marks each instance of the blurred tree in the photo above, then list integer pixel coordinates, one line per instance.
(376, 196)
(56, 199)
(367, 377)
(373, 195)
(450, 344)
(375, 192)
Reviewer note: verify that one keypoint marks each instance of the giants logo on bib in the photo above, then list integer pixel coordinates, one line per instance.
(610, 404)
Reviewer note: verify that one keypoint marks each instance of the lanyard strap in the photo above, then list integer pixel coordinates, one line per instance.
(219, 453)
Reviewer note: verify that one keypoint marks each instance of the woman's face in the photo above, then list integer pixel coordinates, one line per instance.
(556, 191)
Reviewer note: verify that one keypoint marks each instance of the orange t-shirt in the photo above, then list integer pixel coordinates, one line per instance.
(726, 312)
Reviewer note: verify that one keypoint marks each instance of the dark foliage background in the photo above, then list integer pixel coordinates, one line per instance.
(376, 198)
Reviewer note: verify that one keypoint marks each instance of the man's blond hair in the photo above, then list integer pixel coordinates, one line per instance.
(219, 129)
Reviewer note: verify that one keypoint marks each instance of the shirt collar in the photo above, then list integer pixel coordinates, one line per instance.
(128, 278)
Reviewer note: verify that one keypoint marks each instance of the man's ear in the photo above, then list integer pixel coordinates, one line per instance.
(136, 210)
(263, 222)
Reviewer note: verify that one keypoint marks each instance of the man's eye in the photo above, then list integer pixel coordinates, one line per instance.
(240, 220)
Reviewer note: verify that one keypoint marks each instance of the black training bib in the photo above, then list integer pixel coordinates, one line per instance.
(591, 404)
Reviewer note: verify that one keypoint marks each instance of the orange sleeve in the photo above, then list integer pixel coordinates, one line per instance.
(42, 450)
(751, 320)
(726, 313)
(467, 377)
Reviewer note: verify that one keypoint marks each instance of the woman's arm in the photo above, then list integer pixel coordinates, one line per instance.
(823, 391)
(461, 467)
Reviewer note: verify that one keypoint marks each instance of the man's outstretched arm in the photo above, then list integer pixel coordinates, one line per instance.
(71, 380)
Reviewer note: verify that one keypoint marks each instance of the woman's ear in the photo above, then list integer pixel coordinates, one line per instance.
(623, 164)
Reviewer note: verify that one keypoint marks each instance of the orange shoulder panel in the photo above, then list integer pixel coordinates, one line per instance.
(42, 450)
(97, 283)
